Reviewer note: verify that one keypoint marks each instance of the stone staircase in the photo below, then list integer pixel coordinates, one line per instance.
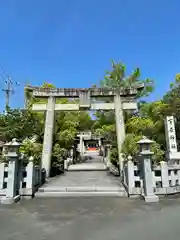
(87, 179)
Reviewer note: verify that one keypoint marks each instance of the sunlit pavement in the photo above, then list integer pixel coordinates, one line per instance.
(96, 218)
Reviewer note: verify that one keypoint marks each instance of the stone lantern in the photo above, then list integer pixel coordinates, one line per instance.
(12, 154)
(145, 149)
(12, 149)
(145, 146)
(145, 152)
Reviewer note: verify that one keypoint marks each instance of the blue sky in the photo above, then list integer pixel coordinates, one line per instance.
(70, 43)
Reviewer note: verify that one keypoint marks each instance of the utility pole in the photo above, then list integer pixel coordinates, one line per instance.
(8, 89)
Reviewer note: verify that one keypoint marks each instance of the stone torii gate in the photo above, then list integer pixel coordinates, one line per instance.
(87, 135)
(122, 99)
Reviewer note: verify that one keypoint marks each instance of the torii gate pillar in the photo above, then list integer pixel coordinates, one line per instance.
(48, 136)
(120, 128)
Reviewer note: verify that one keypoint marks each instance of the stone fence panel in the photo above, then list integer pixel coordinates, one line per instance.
(165, 177)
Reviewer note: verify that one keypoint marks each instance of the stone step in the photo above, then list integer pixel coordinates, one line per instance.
(87, 170)
(82, 189)
(80, 194)
(87, 167)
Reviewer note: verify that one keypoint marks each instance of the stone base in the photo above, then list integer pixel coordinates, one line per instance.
(151, 199)
(173, 156)
(27, 197)
(7, 200)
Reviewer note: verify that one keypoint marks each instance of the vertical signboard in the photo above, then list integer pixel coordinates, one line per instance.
(170, 134)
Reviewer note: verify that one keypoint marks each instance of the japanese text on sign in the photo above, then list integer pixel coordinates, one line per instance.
(171, 134)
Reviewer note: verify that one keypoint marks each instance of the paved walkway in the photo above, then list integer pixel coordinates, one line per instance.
(86, 179)
(87, 166)
(93, 163)
(89, 176)
(98, 218)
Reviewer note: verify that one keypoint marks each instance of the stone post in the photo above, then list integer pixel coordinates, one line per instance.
(99, 142)
(66, 164)
(81, 146)
(2, 169)
(146, 154)
(164, 174)
(172, 153)
(48, 136)
(108, 162)
(120, 128)
(29, 190)
(100, 146)
(130, 175)
(12, 154)
(103, 150)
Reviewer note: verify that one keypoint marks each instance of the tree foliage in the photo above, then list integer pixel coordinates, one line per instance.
(117, 78)
(18, 123)
(148, 120)
(131, 148)
(105, 121)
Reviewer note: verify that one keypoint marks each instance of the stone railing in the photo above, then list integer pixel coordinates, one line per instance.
(148, 180)
(67, 163)
(165, 179)
(31, 177)
(26, 180)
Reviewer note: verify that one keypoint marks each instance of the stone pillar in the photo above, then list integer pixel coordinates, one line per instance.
(29, 190)
(100, 147)
(103, 149)
(148, 181)
(120, 127)
(100, 143)
(65, 164)
(108, 162)
(48, 136)
(2, 169)
(172, 153)
(130, 176)
(11, 183)
(170, 133)
(164, 174)
(146, 154)
(81, 146)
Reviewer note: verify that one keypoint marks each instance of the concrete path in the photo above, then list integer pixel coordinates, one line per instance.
(109, 218)
(87, 167)
(93, 163)
(84, 179)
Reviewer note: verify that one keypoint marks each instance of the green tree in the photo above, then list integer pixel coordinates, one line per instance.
(131, 147)
(117, 78)
(17, 123)
(150, 121)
